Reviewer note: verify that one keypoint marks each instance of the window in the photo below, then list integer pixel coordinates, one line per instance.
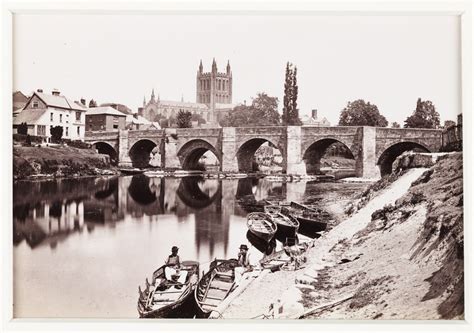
(78, 130)
(78, 115)
(60, 118)
(67, 131)
(35, 104)
(51, 117)
(41, 130)
(115, 126)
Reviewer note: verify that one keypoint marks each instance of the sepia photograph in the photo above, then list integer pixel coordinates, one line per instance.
(237, 165)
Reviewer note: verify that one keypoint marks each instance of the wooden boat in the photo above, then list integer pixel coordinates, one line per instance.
(287, 225)
(261, 245)
(131, 171)
(306, 216)
(214, 286)
(164, 298)
(261, 225)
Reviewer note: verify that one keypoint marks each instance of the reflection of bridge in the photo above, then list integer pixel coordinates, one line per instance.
(374, 149)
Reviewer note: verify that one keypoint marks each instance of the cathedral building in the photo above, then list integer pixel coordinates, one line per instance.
(213, 98)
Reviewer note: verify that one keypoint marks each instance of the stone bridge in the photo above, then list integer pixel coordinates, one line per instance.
(374, 149)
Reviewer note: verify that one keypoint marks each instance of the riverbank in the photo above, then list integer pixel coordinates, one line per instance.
(398, 256)
(60, 161)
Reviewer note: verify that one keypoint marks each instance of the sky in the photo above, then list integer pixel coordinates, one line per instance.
(390, 61)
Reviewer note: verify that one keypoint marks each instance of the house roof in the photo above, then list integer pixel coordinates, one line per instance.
(59, 102)
(104, 110)
(136, 119)
(29, 116)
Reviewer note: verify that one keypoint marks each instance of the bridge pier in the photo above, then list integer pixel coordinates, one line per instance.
(124, 159)
(366, 161)
(171, 159)
(294, 159)
(229, 150)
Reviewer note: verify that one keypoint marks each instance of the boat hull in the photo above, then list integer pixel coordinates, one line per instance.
(182, 309)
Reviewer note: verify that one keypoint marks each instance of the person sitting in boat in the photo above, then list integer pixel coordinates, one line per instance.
(243, 260)
(173, 269)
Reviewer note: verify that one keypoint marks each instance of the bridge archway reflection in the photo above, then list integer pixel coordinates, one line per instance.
(198, 193)
(389, 155)
(316, 151)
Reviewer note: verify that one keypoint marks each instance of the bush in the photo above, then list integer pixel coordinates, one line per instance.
(22, 129)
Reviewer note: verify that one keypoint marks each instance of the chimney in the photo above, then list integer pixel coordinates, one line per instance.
(83, 101)
(314, 113)
(55, 92)
(39, 90)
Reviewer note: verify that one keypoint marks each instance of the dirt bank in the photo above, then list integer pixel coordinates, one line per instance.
(399, 256)
(61, 161)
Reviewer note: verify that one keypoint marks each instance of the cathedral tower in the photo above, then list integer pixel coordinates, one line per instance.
(213, 87)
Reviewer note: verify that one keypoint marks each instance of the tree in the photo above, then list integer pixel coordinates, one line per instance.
(184, 119)
(361, 113)
(56, 133)
(290, 110)
(449, 123)
(22, 128)
(92, 103)
(262, 112)
(197, 117)
(395, 125)
(424, 116)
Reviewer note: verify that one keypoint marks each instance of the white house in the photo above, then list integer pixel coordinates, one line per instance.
(43, 111)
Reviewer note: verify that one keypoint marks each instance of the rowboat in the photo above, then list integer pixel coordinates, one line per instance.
(261, 225)
(164, 298)
(306, 216)
(131, 171)
(287, 225)
(214, 286)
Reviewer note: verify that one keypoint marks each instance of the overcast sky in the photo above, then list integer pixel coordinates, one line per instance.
(387, 60)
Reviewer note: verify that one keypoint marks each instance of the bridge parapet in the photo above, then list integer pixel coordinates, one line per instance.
(96, 136)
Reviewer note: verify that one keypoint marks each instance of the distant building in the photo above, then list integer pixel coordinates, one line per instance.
(213, 98)
(104, 118)
(314, 120)
(43, 111)
(19, 101)
(137, 122)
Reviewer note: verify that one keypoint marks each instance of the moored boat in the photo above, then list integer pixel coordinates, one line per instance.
(164, 298)
(261, 225)
(306, 216)
(287, 225)
(214, 286)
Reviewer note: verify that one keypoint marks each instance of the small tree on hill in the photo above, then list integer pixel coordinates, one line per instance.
(424, 116)
(361, 113)
(56, 133)
(22, 129)
(183, 119)
(395, 125)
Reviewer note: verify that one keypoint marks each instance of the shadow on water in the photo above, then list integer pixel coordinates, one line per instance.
(140, 191)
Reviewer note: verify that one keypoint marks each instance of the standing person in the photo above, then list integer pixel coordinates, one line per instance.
(173, 266)
(243, 259)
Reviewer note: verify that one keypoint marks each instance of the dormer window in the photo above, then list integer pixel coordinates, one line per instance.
(35, 104)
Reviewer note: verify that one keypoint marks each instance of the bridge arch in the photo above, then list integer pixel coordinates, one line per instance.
(389, 155)
(246, 152)
(140, 152)
(316, 150)
(192, 151)
(103, 147)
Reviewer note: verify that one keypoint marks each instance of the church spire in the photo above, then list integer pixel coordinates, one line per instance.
(152, 95)
(144, 101)
(200, 66)
(228, 67)
(214, 65)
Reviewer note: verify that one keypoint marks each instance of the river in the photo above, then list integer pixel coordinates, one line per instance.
(83, 246)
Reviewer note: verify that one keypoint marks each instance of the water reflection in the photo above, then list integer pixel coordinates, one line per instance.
(127, 224)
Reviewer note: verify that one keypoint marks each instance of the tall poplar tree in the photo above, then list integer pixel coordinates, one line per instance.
(290, 107)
